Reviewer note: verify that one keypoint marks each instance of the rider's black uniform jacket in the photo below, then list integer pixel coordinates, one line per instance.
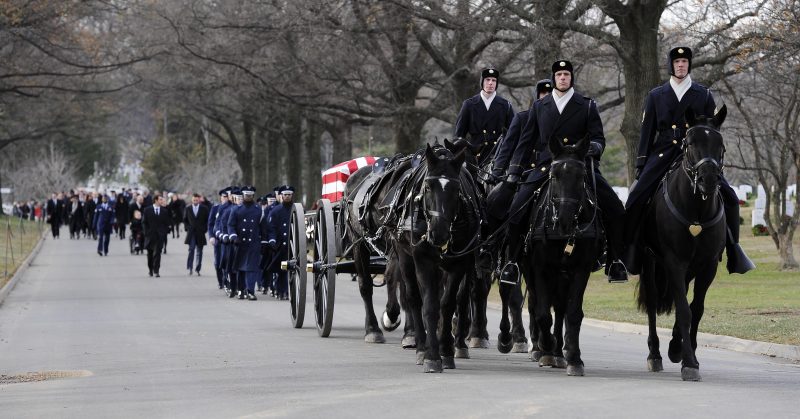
(483, 126)
(663, 122)
(507, 145)
(579, 118)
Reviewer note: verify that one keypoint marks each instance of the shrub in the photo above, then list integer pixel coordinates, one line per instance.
(760, 230)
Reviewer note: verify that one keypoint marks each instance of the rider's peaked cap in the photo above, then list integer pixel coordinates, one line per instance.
(542, 86)
(489, 72)
(679, 52)
(562, 65)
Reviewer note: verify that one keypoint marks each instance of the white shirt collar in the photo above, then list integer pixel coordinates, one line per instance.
(487, 100)
(681, 88)
(561, 102)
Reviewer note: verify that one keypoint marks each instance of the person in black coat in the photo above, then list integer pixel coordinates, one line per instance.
(195, 219)
(485, 117)
(76, 217)
(89, 206)
(122, 212)
(55, 208)
(156, 221)
(570, 116)
(663, 129)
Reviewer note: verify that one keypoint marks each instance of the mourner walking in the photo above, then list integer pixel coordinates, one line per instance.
(54, 209)
(156, 222)
(661, 144)
(196, 224)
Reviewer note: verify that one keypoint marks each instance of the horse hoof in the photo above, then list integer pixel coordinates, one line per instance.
(432, 365)
(561, 362)
(536, 356)
(547, 361)
(387, 323)
(409, 342)
(690, 374)
(575, 370)
(462, 353)
(504, 347)
(480, 343)
(655, 365)
(420, 357)
(448, 363)
(374, 338)
(520, 348)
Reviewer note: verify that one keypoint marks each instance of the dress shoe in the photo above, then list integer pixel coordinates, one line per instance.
(198, 272)
(241, 295)
(190, 272)
(231, 293)
(157, 275)
(150, 273)
(105, 254)
(99, 253)
(251, 296)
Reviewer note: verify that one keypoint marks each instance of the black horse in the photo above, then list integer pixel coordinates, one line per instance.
(435, 250)
(563, 243)
(685, 241)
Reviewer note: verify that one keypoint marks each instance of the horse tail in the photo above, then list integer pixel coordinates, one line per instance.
(653, 291)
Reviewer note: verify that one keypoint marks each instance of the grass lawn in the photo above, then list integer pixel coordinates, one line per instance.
(762, 305)
(19, 246)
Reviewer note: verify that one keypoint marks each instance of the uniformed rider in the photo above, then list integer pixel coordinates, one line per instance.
(662, 133)
(569, 115)
(485, 117)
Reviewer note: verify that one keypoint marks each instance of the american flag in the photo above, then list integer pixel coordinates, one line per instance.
(333, 179)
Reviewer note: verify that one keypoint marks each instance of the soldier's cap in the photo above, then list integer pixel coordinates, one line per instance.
(490, 72)
(562, 65)
(680, 52)
(224, 192)
(544, 85)
(278, 189)
(236, 191)
(269, 195)
(248, 190)
(287, 190)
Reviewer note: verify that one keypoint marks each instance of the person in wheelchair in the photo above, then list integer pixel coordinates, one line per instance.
(137, 233)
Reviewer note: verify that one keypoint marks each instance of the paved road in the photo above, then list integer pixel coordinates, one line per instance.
(175, 347)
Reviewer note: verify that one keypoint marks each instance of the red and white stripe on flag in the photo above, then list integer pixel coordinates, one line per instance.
(333, 179)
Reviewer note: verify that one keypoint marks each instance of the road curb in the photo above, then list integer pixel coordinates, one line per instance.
(790, 352)
(22, 268)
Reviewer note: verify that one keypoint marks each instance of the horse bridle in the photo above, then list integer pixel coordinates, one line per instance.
(692, 170)
(428, 213)
(552, 201)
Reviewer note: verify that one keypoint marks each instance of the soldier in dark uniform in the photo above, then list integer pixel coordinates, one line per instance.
(213, 215)
(228, 250)
(569, 115)
(485, 117)
(103, 221)
(663, 130)
(277, 234)
(266, 256)
(248, 232)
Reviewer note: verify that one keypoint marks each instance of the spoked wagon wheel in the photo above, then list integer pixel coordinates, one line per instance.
(324, 277)
(296, 265)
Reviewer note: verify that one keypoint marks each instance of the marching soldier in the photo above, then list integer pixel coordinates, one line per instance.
(663, 130)
(228, 250)
(572, 116)
(277, 239)
(212, 235)
(103, 221)
(485, 117)
(247, 231)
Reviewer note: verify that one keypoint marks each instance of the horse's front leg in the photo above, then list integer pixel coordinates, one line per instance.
(479, 336)
(574, 318)
(413, 299)
(648, 296)
(681, 338)
(391, 315)
(463, 308)
(452, 280)
(504, 339)
(517, 327)
(429, 277)
(373, 333)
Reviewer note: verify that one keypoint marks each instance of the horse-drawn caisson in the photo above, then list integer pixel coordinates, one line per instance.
(422, 221)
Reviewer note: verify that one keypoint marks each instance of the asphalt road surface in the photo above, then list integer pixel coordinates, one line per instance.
(112, 342)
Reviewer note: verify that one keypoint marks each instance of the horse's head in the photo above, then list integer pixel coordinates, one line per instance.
(440, 189)
(704, 150)
(567, 188)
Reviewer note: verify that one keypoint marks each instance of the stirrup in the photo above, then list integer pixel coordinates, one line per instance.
(510, 274)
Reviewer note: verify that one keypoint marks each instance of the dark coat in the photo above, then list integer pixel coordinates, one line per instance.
(122, 210)
(103, 218)
(77, 217)
(481, 126)
(247, 230)
(278, 232)
(212, 219)
(54, 209)
(155, 227)
(133, 207)
(503, 155)
(663, 130)
(176, 210)
(196, 226)
(580, 116)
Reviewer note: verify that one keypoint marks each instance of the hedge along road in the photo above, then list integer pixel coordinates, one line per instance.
(89, 336)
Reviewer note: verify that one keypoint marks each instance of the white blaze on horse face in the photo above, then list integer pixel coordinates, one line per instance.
(708, 132)
(443, 182)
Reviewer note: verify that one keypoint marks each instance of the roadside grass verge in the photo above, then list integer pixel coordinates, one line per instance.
(16, 242)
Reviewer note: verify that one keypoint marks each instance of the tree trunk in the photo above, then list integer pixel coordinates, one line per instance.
(786, 251)
(313, 178)
(294, 151)
(407, 130)
(274, 164)
(342, 142)
(261, 163)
